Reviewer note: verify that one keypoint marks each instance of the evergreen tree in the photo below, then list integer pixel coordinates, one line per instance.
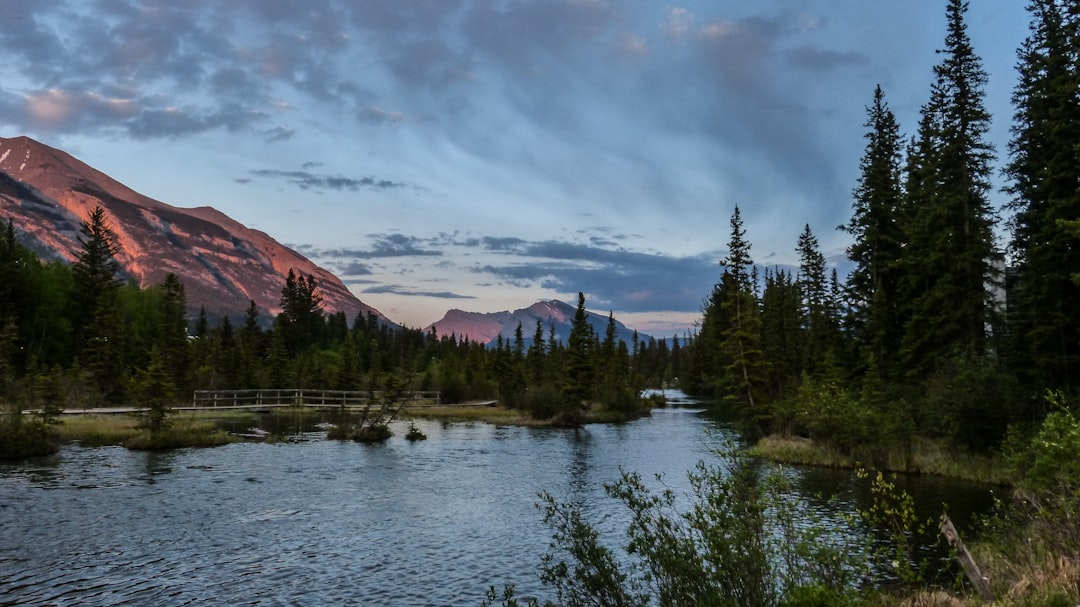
(743, 367)
(1044, 170)
(95, 273)
(155, 391)
(817, 329)
(173, 347)
(579, 367)
(15, 299)
(301, 316)
(780, 328)
(950, 258)
(873, 287)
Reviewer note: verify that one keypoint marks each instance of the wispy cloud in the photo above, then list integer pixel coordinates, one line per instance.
(310, 181)
(413, 292)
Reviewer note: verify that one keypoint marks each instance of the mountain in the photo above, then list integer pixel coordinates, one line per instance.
(223, 264)
(486, 328)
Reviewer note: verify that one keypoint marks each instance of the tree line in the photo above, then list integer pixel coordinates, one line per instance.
(938, 330)
(78, 335)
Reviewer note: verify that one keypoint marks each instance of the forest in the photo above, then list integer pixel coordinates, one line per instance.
(939, 333)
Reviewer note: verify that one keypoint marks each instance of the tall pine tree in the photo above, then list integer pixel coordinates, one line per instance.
(873, 286)
(1044, 169)
(950, 259)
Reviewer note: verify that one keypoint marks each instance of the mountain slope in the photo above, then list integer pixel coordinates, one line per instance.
(223, 264)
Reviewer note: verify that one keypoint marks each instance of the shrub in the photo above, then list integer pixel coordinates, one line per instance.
(738, 544)
(26, 438)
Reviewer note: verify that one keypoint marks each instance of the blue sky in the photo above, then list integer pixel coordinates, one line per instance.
(487, 154)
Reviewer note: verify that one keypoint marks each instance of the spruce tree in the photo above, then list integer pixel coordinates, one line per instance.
(94, 271)
(950, 257)
(1044, 170)
(579, 364)
(780, 333)
(873, 287)
(743, 367)
(173, 349)
(814, 295)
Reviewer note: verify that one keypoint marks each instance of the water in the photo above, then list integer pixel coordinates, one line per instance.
(324, 522)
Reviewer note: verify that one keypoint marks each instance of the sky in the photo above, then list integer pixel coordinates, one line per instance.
(487, 154)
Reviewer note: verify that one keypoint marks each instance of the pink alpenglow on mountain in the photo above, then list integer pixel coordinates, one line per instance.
(222, 264)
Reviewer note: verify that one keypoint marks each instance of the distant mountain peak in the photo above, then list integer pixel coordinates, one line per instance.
(223, 264)
(552, 314)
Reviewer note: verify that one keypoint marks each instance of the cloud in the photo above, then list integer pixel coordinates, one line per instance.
(279, 134)
(353, 269)
(632, 281)
(412, 292)
(383, 245)
(306, 180)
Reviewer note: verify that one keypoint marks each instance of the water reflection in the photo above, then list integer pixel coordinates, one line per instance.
(334, 522)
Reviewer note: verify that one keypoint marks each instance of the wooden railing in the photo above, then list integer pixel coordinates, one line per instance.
(302, 397)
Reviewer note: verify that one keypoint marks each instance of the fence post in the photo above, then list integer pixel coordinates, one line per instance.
(981, 583)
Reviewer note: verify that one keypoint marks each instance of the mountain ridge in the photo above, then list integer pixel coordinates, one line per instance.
(487, 327)
(223, 264)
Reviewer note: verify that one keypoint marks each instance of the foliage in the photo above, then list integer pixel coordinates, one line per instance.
(737, 544)
(967, 400)
(1044, 178)
(1031, 547)
(21, 438)
(873, 285)
(414, 433)
(892, 511)
(155, 391)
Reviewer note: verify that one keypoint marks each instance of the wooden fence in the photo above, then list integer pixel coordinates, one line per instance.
(302, 397)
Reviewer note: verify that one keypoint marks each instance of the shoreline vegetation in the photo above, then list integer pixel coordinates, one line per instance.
(30, 436)
(925, 456)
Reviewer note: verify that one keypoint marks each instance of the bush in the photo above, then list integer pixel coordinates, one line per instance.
(738, 544)
(543, 401)
(970, 401)
(26, 438)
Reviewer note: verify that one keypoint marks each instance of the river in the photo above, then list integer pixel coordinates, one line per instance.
(321, 522)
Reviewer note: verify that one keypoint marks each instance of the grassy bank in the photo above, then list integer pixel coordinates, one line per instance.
(499, 415)
(925, 457)
(185, 430)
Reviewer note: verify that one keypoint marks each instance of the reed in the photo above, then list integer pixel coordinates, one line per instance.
(924, 457)
(97, 430)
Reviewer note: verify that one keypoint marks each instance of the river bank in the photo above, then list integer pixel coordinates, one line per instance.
(925, 456)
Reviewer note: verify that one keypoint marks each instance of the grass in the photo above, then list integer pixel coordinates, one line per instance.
(926, 457)
(471, 413)
(185, 430)
(97, 430)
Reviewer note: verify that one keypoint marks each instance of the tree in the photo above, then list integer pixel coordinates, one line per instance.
(873, 287)
(95, 270)
(155, 390)
(950, 258)
(301, 316)
(817, 329)
(173, 347)
(1044, 170)
(742, 364)
(780, 326)
(579, 367)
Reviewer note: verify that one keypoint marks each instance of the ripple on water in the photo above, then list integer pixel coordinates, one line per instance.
(318, 523)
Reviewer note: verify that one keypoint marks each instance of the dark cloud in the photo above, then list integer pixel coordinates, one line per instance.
(816, 59)
(354, 269)
(632, 281)
(502, 244)
(384, 245)
(400, 290)
(310, 181)
(279, 134)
